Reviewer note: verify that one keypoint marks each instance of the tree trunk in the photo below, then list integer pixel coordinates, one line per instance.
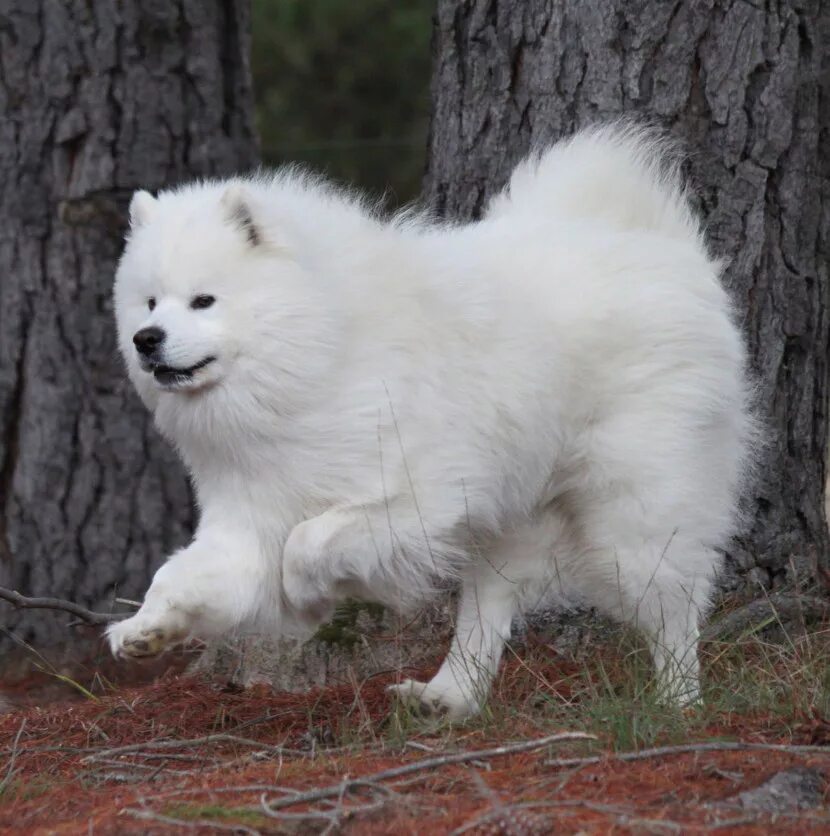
(97, 98)
(746, 86)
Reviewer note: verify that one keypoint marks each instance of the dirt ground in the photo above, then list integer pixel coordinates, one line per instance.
(63, 768)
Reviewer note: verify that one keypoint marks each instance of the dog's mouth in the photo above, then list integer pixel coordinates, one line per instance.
(172, 376)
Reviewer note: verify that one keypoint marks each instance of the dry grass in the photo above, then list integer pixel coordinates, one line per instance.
(610, 691)
(755, 689)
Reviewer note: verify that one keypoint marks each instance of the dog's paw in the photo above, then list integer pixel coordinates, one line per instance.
(304, 593)
(143, 637)
(434, 702)
(299, 585)
(680, 693)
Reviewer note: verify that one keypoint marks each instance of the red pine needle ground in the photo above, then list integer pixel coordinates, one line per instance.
(52, 789)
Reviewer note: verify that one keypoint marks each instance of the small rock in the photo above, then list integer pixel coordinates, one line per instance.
(799, 788)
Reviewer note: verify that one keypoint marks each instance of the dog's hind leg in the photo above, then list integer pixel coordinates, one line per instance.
(514, 570)
(487, 604)
(667, 608)
(660, 586)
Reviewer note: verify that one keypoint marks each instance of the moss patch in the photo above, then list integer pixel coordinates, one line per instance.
(350, 623)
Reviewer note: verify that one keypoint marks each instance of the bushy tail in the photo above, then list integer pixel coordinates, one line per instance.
(623, 174)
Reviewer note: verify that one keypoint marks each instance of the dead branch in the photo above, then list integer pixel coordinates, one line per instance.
(335, 790)
(312, 815)
(652, 825)
(37, 750)
(663, 751)
(190, 824)
(238, 789)
(339, 812)
(728, 824)
(778, 607)
(497, 806)
(169, 756)
(163, 745)
(90, 617)
(10, 770)
(125, 772)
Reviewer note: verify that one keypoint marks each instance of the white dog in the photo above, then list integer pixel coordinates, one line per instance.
(552, 399)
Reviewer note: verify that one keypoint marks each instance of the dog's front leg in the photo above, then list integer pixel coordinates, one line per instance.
(378, 551)
(206, 590)
(319, 557)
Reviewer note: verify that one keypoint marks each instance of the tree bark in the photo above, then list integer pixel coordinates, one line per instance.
(745, 85)
(97, 98)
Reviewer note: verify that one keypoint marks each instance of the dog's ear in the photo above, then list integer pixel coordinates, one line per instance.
(142, 208)
(237, 208)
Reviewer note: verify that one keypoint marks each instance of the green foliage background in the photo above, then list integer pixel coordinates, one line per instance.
(343, 86)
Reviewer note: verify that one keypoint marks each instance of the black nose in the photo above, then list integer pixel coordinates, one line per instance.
(147, 340)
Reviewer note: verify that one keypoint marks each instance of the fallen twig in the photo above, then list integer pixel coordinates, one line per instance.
(10, 770)
(169, 756)
(67, 750)
(652, 825)
(662, 751)
(421, 747)
(241, 788)
(147, 767)
(312, 815)
(90, 617)
(336, 813)
(163, 745)
(142, 768)
(339, 811)
(334, 790)
(497, 806)
(725, 824)
(191, 824)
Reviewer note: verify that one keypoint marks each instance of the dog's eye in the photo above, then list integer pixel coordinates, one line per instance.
(151, 302)
(200, 302)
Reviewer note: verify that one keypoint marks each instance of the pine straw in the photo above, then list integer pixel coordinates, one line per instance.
(242, 750)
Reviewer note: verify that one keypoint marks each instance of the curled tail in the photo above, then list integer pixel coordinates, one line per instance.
(622, 174)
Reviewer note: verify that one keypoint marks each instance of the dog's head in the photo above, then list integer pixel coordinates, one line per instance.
(205, 297)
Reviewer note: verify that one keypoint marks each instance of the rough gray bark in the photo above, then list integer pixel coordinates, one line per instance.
(746, 86)
(96, 98)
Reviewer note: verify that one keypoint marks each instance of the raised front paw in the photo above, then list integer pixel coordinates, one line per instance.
(305, 579)
(309, 599)
(145, 636)
(434, 701)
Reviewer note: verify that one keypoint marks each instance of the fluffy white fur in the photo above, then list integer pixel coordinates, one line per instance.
(552, 400)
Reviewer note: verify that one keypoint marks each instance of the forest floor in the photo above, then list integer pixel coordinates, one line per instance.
(183, 754)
